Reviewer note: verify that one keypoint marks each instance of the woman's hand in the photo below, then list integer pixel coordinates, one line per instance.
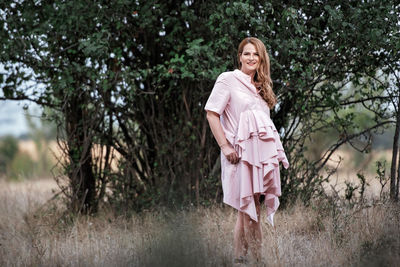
(230, 154)
(216, 128)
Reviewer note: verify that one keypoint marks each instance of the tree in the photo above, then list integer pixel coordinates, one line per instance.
(39, 42)
(134, 77)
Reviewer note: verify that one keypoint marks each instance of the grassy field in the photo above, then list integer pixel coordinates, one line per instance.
(38, 232)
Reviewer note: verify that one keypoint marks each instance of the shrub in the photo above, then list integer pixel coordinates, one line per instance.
(8, 150)
(22, 166)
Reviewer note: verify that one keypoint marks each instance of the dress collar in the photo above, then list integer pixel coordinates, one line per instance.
(245, 79)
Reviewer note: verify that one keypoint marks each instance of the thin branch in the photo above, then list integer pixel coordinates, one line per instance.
(37, 101)
(334, 147)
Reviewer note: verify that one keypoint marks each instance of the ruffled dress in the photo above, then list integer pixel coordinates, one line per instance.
(245, 119)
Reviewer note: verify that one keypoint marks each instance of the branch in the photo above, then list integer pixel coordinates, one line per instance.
(334, 147)
(37, 101)
(356, 101)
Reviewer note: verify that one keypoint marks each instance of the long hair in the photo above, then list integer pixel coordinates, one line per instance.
(262, 77)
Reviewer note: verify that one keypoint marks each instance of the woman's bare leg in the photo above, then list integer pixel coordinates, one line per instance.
(239, 240)
(252, 230)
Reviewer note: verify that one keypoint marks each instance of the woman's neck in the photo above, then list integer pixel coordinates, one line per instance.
(251, 75)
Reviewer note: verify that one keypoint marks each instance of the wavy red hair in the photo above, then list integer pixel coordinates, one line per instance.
(262, 78)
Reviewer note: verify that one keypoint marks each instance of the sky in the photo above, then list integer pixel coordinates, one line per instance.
(12, 118)
(12, 114)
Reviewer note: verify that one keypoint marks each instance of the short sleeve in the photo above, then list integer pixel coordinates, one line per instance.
(219, 96)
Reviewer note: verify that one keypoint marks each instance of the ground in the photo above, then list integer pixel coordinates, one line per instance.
(37, 231)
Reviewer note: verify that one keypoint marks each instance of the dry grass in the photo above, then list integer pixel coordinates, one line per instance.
(353, 162)
(33, 234)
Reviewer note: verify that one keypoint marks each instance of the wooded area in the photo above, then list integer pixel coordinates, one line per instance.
(134, 76)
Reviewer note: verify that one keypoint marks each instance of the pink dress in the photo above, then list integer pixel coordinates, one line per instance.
(245, 119)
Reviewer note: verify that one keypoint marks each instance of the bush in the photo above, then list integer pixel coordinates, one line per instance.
(21, 167)
(8, 150)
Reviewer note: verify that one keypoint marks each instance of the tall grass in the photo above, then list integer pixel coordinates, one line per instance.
(38, 232)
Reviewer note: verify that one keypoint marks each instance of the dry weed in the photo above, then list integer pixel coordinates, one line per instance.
(34, 234)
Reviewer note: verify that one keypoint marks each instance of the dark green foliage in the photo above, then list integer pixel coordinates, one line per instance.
(133, 76)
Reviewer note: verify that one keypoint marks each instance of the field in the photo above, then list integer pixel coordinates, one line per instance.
(35, 231)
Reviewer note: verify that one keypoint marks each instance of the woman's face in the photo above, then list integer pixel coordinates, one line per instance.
(249, 59)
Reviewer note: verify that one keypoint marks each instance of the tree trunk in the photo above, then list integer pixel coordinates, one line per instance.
(396, 197)
(82, 179)
(394, 154)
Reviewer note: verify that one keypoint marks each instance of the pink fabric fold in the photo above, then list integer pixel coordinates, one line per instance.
(260, 149)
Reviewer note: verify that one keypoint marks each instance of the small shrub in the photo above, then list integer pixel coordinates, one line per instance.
(8, 150)
(21, 167)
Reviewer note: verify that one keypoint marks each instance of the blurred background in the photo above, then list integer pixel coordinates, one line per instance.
(27, 142)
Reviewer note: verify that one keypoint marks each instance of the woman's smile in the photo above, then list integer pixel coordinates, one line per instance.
(249, 59)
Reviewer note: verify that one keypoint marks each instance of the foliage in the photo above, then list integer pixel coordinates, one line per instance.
(16, 164)
(41, 132)
(381, 176)
(21, 167)
(134, 77)
(8, 151)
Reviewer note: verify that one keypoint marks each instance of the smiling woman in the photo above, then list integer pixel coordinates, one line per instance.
(238, 111)
(249, 59)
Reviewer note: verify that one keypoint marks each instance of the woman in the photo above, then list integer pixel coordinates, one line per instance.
(238, 111)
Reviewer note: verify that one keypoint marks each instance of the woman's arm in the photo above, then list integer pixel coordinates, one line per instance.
(219, 135)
